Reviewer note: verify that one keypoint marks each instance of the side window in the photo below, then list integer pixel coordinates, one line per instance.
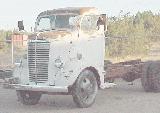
(89, 24)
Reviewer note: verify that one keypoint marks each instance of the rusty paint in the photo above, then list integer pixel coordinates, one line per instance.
(124, 69)
(54, 34)
(70, 10)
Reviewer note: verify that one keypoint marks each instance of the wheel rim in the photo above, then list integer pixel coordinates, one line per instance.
(87, 89)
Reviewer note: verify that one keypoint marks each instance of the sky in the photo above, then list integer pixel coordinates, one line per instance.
(27, 10)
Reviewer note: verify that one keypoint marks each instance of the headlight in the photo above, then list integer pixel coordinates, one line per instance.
(58, 63)
(18, 62)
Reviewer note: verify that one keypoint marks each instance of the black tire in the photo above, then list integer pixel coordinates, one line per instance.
(85, 89)
(146, 83)
(151, 77)
(28, 97)
(155, 76)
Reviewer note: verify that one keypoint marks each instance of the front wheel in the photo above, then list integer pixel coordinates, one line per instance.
(28, 97)
(85, 89)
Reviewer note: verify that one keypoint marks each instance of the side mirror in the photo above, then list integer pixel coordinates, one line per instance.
(20, 25)
(102, 21)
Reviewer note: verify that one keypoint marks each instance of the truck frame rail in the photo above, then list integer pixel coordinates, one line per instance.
(129, 70)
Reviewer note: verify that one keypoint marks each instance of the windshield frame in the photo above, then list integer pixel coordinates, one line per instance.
(50, 16)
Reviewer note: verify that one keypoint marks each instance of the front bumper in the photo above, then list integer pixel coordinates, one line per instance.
(41, 88)
(49, 89)
(13, 83)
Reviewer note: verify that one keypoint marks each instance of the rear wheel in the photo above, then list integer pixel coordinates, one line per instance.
(28, 97)
(145, 80)
(151, 76)
(85, 89)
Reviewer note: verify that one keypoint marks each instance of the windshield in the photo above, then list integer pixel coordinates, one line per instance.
(54, 22)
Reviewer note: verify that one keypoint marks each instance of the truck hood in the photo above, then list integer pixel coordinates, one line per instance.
(55, 34)
(51, 34)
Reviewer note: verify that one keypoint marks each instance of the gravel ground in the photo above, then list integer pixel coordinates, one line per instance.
(123, 98)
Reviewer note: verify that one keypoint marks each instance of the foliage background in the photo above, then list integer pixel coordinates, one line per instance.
(132, 35)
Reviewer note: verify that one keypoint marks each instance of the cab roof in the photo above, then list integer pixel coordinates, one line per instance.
(70, 10)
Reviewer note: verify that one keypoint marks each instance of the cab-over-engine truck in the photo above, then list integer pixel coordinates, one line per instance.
(66, 56)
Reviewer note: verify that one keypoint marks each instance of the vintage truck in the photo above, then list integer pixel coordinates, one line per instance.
(66, 56)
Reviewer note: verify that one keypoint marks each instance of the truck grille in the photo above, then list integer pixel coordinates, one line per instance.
(38, 58)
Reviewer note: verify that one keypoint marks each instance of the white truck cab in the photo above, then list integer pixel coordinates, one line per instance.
(65, 56)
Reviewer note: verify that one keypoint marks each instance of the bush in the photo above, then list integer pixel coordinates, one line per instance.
(132, 35)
